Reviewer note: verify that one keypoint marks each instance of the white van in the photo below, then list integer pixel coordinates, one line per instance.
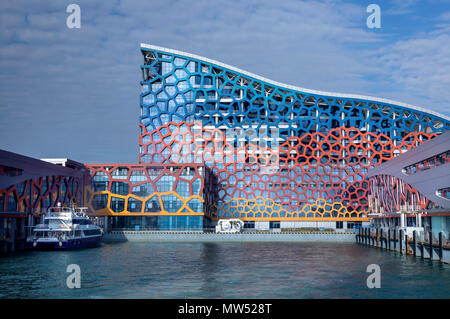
(229, 226)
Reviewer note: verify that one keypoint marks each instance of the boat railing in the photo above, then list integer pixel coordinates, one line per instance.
(67, 211)
(80, 211)
(59, 210)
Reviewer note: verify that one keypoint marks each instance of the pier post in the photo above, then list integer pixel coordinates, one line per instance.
(406, 246)
(414, 243)
(422, 250)
(430, 237)
(440, 246)
(12, 234)
(400, 235)
(3, 243)
(389, 239)
(395, 239)
(374, 238)
(381, 238)
(23, 234)
(377, 238)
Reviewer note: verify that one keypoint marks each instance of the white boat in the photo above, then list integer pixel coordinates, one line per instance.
(65, 228)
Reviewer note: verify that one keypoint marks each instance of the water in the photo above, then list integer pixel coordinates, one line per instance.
(222, 270)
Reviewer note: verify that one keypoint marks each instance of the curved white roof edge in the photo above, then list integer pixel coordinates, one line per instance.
(292, 87)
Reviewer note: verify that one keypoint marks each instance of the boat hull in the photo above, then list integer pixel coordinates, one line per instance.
(75, 243)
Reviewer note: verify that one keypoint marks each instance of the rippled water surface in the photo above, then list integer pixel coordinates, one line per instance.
(222, 270)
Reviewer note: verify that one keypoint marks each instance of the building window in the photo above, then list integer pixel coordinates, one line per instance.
(12, 203)
(117, 204)
(134, 205)
(351, 225)
(10, 171)
(120, 188)
(120, 173)
(99, 201)
(431, 162)
(444, 192)
(340, 225)
(249, 225)
(274, 224)
(100, 182)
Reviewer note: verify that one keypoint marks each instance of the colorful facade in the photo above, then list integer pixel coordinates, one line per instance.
(218, 142)
(165, 196)
(36, 195)
(414, 186)
(279, 153)
(390, 195)
(30, 186)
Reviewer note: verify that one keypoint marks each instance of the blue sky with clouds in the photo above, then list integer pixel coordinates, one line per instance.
(75, 92)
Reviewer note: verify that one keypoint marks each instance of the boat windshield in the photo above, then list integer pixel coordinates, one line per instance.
(55, 223)
(81, 221)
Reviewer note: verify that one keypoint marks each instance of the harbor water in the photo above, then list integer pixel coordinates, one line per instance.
(222, 270)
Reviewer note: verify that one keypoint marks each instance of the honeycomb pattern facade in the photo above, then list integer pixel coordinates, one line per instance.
(278, 152)
(36, 195)
(151, 190)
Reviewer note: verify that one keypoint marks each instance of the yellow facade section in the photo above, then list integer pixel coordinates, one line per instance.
(183, 210)
(261, 209)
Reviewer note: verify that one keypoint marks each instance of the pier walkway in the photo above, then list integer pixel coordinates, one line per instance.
(199, 236)
(421, 245)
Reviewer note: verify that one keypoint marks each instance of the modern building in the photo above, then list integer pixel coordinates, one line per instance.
(283, 156)
(151, 196)
(413, 189)
(219, 142)
(28, 187)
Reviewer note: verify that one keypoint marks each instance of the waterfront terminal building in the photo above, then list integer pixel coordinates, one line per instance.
(218, 142)
(413, 189)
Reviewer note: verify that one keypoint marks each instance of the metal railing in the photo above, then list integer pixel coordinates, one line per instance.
(213, 230)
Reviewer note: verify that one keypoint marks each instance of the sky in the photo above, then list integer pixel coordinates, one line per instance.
(75, 92)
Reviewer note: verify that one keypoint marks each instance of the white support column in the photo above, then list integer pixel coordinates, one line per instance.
(402, 220)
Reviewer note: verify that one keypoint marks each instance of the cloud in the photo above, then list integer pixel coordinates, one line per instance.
(418, 68)
(400, 7)
(445, 16)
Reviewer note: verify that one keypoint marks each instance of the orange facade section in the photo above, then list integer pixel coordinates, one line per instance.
(318, 176)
